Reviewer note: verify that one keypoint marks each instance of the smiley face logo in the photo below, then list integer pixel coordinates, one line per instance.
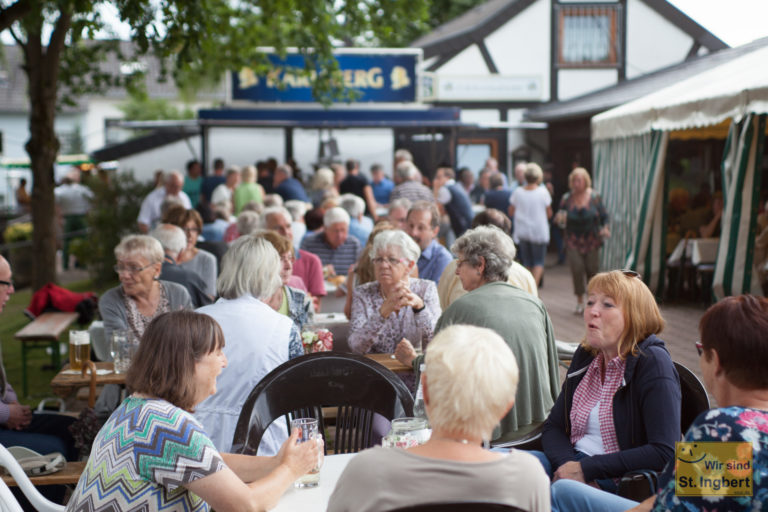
(689, 454)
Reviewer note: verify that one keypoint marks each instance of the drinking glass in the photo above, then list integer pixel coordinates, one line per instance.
(308, 429)
(123, 345)
(79, 349)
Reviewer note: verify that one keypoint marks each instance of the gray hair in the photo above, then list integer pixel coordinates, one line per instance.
(427, 206)
(286, 169)
(297, 208)
(490, 243)
(402, 202)
(406, 171)
(140, 245)
(274, 210)
(353, 205)
(251, 266)
(533, 173)
(247, 222)
(472, 378)
(335, 215)
(399, 239)
(323, 179)
(171, 237)
(167, 177)
(403, 154)
(272, 200)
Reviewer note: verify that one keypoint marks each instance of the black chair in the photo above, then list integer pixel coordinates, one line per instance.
(462, 506)
(301, 387)
(639, 485)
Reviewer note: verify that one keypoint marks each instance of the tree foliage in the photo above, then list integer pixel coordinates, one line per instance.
(196, 42)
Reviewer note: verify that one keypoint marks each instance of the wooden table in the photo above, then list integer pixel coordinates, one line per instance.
(67, 476)
(63, 384)
(389, 362)
(45, 328)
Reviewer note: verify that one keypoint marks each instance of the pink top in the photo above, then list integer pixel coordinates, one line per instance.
(310, 269)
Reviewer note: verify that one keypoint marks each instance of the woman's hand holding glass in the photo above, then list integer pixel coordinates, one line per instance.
(299, 458)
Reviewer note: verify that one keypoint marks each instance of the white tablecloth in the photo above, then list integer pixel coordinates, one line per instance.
(315, 498)
(699, 250)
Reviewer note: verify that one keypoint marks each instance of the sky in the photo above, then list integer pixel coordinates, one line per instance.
(735, 22)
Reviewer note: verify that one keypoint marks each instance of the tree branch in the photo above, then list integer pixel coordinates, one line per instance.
(11, 14)
(58, 37)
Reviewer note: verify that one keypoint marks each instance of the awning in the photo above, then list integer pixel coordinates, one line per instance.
(730, 90)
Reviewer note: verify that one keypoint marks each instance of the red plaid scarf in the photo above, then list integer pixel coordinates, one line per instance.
(591, 390)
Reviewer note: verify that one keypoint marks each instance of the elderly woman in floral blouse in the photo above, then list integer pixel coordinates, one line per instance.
(394, 306)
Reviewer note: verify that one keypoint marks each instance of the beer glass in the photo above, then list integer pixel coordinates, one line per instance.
(79, 349)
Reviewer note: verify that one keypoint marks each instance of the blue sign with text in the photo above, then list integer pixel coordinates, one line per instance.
(377, 77)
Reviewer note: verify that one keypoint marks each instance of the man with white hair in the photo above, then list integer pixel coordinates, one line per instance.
(286, 186)
(355, 207)
(150, 211)
(398, 213)
(335, 248)
(409, 185)
(307, 266)
(173, 240)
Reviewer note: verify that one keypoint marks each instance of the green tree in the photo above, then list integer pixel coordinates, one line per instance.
(195, 41)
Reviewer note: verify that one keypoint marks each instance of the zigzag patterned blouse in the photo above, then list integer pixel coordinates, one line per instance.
(142, 457)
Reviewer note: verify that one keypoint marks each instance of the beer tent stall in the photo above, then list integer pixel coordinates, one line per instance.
(630, 145)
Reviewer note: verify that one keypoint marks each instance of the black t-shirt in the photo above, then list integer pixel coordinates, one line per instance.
(355, 184)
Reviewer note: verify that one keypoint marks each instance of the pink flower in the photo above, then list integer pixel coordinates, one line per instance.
(754, 419)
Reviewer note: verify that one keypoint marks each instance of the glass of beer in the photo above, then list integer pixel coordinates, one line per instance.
(79, 349)
(308, 428)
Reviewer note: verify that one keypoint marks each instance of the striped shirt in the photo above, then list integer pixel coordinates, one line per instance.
(341, 257)
(413, 191)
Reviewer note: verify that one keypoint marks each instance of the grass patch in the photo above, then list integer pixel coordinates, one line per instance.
(12, 319)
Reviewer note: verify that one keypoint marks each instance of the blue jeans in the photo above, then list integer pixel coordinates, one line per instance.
(570, 495)
(46, 433)
(607, 484)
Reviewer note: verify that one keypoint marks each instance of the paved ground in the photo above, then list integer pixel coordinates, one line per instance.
(680, 333)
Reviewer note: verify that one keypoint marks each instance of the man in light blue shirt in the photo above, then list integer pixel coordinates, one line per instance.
(382, 186)
(423, 225)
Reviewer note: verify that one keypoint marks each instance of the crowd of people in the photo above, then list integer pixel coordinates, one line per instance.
(250, 251)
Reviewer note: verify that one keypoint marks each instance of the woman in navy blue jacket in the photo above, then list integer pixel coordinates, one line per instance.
(619, 409)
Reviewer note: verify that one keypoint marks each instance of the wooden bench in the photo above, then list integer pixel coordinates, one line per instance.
(45, 329)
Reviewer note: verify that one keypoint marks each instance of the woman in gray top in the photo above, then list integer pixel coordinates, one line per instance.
(140, 296)
(469, 384)
(191, 258)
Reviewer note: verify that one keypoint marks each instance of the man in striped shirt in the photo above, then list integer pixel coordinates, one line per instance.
(335, 248)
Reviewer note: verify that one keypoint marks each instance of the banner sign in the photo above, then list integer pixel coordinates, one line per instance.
(381, 77)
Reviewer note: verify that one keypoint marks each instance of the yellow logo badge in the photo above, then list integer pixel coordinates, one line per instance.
(713, 469)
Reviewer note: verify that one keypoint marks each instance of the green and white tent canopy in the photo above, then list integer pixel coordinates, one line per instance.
(629, 148)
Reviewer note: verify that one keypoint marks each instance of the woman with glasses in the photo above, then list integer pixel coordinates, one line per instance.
(141, 296)
(619, 408)
(201, 262)
(485, 256)
(733, 355)
(393, 306)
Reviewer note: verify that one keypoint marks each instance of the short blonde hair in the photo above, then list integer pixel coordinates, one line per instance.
(144, 246)
(248, 174)
(579, 171)
(471, 377)
(251, 266)
(323, 179)
(638, 306)
(533, 173)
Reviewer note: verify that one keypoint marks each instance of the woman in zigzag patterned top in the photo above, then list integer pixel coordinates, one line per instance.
(152, 454)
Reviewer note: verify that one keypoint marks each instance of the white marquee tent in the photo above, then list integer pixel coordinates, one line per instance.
(629, 147)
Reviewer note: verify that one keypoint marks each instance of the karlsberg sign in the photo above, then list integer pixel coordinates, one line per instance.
(380, 76)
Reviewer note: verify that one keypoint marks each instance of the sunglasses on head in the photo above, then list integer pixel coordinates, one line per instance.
(699, 348)
(632, 273)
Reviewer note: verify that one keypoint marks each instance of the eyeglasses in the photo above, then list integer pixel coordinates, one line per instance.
(6, 283)
(392, 261)
(189, 231)
(632, 273)
(122, 269)
(461, 261)
(699, 348)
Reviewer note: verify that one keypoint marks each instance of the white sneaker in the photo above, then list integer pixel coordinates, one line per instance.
(579, 309)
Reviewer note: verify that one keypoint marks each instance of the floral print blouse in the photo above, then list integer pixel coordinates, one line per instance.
(729, 424)
(369, 332)
(583, 224)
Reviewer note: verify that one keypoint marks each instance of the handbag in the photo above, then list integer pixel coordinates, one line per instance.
(35, 464)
